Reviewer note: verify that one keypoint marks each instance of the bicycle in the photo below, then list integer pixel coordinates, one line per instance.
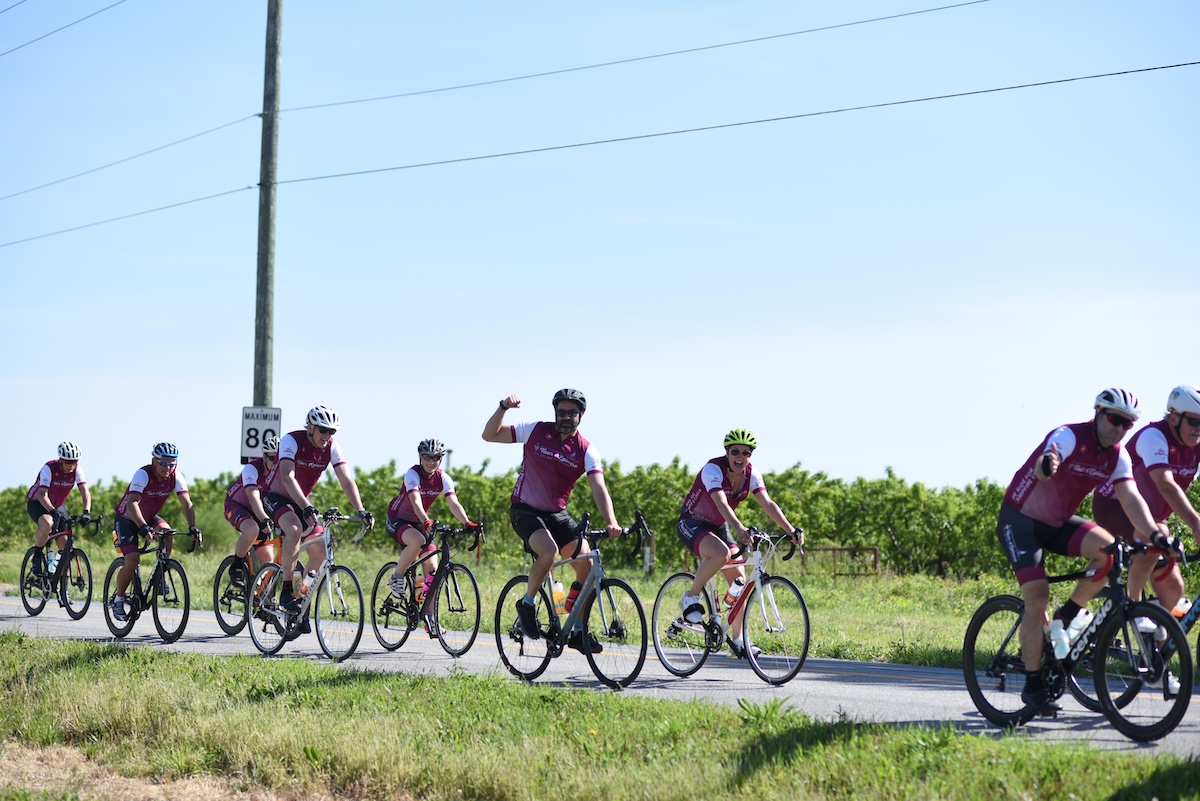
(335, 599)
(165, 591)
(229, 597)
(71, 581)
(610, 610)
(451, 608)
(776, 626)
(1131, 673)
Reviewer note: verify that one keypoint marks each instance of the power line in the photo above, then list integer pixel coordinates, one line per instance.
(14, 5)
(63, 28)
(630, 139)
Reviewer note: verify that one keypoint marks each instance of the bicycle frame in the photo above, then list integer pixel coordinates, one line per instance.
(721, 621)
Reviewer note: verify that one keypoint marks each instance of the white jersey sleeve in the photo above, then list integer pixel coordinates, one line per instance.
(139, 481)
(412, 481)
(79, 479)
(521, 431)
(1064, 438)
(447, 484)
(1152, 448)
(1124, 468)
(591, 460)
(756, 480)
(288, 447)
(249, 475)
(336, 456)
(45, 476)
(180, 483)
(712, 476)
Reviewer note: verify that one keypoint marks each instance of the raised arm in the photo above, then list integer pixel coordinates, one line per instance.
(495, 430)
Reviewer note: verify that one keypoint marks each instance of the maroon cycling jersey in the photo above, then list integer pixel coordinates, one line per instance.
(154, 493)
(57, 481)
(430, 487)
(1084, 466)
(253, 474)
(310, 462)
(715, 476)
(1152, 448)
(551, 465)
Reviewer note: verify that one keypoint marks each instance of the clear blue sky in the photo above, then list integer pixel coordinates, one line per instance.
(930, 286)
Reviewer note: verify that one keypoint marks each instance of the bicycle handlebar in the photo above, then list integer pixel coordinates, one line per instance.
(449, 531)
(757, 535)
(639, 526)
(162, 534)
(75, 520)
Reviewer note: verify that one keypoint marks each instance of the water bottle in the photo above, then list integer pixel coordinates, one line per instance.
(735, 589)
(52, 563)
(560, 598)
(1182, 608)
(1081, 622)
(1059, 639)
(423, 589)
(308, 583)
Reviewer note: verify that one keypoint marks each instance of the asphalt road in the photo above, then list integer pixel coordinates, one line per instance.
(826, 689)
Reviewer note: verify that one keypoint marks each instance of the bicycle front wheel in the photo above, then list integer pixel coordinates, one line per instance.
(75, 591)
(229, 599)
(456, 616)
(682, 647)
(992, 665)
(1143, 679)
(524, 657)
(267, 618)
(34, 589)
(120, 628)
(172, 601)
(338, 612)
(776, 630)
(617, 624)
(389, 615)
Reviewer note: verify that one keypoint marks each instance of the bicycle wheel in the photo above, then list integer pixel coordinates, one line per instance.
(75, 587)
(390, 619)
(338, 612)
(1136, 671)
(615, 619)
(267, 619)
(992, 656)
(524, 658)
(120, 628)
(682, 647)
(171, 601)
(776, 622)
(456, 615)
(229, 600)
(34, 589)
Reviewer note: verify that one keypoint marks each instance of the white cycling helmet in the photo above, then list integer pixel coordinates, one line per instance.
(70, 451)
(1120, 401)
(323, 416)
(270, 445)
(1183, 399)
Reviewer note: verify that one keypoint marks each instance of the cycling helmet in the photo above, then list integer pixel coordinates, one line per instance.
(431, 447)
(1120, 401)
(573, 395)
(70, 451)
(323, 416)
(165, 450)
(270, 445)
(741, 436)
(1183, 399)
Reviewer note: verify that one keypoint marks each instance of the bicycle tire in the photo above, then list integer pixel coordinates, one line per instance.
(338, 612)
(266, 618)
(75, 585)
(132, 592)
(524, 659)
(991, 656)
(1126, 683)
(390, 619)
(229, 601)
(33, 590)
(171, 608)
(457, 611)
(682, 647)
(776, 621)
(615, 619)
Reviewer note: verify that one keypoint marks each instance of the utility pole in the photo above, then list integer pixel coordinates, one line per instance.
(264, 334)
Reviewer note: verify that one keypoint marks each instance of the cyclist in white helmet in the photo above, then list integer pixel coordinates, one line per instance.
(47, 497)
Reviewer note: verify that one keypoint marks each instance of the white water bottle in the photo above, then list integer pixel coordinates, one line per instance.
(1059, 639)
(1081, 622)
(735, 589)
(52, 563)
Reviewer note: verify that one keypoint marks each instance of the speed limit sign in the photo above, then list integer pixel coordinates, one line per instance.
(259, 423)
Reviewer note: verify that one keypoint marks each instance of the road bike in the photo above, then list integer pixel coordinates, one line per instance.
(229, 596)
(70, 583)
(165, 590)
(334, 599)
(1111, 667)
(609, 609)
(776, 626)
(450, 610)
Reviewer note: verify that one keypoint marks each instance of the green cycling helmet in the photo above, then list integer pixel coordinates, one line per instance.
(741, 436)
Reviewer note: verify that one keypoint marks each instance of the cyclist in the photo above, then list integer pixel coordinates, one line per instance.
(244, 511)
(137, 514)
(408, 520)
(304, 456)
(1038, 514)
(46, 499)
(555, 456)
(1165, 457)
(708, 514)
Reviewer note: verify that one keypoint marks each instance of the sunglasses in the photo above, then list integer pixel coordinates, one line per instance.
(325, 430)
(737, 452)
(1119, 421)
(431, 458)
(1194, 422)
(167, 465)
(567, 412)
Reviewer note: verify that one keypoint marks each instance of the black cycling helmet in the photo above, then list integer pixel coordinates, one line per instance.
(573, 395)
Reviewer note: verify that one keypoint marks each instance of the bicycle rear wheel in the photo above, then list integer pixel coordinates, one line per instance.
(34, 589)
(132, 593)
(172, 601)
(992, 665)
(682, 647)
(615, 619)
(267, 618)
(524, 657)
(390, 619)
(775, 622)
(1135, 672)
(75, 589)
(338, 612)
(229, 600)
(456, 615)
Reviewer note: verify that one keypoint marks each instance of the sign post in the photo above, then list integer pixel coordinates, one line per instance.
(259, 423)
